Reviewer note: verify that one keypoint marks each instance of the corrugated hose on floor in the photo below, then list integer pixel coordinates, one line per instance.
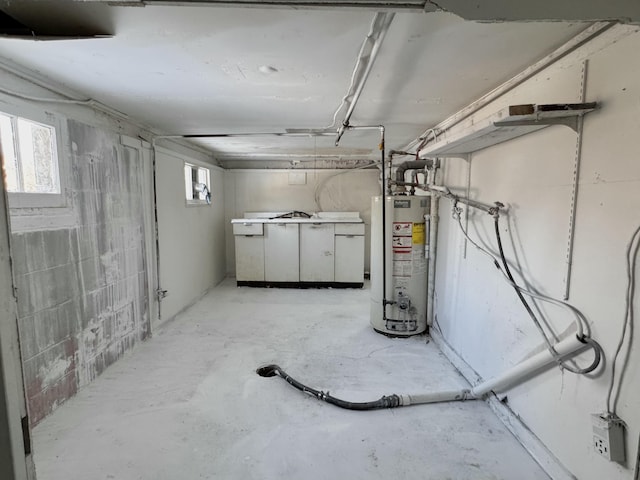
(390, 401)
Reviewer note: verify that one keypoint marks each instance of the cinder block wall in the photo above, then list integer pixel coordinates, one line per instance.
(82, 291)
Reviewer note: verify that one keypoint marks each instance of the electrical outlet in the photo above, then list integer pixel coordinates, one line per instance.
(608, 437)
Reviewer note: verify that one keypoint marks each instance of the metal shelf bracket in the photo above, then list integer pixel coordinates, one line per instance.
(509, 123)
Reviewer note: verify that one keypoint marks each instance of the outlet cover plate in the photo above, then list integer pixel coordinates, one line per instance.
(608, 437)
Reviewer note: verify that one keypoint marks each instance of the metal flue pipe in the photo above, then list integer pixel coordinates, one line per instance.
(411, 165)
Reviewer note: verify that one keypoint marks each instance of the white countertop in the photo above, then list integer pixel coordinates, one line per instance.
(249, 221)
(318, 217)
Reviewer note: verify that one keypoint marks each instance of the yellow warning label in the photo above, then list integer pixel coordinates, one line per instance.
(418, 234)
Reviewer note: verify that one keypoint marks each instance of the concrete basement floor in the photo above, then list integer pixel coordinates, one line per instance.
(187, 404)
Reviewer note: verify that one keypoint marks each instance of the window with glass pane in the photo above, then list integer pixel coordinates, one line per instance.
(30, 155)
(197, 184)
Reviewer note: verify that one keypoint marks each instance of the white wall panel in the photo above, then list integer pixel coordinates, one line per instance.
(192, 243)
(479, 313)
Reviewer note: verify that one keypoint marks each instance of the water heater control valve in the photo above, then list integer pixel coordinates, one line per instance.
(403, 302)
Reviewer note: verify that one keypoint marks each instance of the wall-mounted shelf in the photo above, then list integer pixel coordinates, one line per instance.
(511, 122)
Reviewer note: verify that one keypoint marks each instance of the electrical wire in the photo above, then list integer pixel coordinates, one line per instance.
(292, 214)
(581, 322)
(597, 349)
(90, 102)
(425, 139)
(592, 343)
(323, 182)
(631, 257)
(46, 100)
(505, 270)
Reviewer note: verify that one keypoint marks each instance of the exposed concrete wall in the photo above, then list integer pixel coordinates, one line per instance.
(191, 236)
(269, 190)
(479, 314)
(82, 291)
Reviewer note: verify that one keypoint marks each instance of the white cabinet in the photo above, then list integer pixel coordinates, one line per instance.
(249, 251)
(349, 259)
(281, 252)
(317, 252)
(249, 258)
(349, 253)
(308, 252)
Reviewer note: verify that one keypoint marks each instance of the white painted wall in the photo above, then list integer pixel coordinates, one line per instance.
(479, 314)
(269, 190)
(192, 245)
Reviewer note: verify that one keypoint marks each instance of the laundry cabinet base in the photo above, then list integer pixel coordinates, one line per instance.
(299, 253)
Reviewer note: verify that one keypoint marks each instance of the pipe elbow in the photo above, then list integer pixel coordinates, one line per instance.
(411, 165)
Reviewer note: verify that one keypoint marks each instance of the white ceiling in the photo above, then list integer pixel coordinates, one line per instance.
(211, 70)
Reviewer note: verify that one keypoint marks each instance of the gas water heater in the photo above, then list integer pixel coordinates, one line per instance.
(399, 264)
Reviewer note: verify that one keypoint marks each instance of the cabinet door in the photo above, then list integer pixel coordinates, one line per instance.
(281, 252)
(349, 263)
(316, 252)
(249, 258)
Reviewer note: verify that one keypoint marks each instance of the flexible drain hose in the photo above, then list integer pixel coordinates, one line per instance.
(391, 401)
(520, 372)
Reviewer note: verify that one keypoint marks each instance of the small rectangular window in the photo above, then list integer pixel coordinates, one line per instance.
(197, 185)
(30, 156)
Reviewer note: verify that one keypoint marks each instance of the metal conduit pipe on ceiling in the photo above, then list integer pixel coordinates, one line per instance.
(366, 58)
(368, 53)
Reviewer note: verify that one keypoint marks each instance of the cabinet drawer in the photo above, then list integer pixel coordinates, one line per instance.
(247, 228)
(349, 228)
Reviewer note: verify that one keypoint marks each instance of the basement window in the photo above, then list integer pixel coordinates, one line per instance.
(197, 185)
(30, 162)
